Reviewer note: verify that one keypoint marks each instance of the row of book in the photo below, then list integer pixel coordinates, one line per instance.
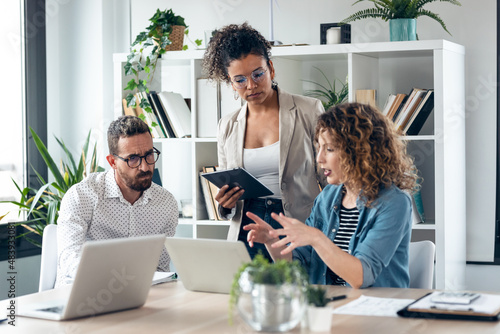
(170, 116)
(410, 111)
(209, 192)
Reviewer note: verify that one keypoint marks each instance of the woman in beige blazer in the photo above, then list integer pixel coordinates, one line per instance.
(271, 135)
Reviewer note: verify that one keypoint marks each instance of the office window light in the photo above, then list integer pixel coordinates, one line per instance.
(12, 136)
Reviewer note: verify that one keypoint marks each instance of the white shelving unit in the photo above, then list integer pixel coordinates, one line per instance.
(388, 67)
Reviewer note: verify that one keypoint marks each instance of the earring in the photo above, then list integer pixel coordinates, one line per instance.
(274, 84)
(236, 95)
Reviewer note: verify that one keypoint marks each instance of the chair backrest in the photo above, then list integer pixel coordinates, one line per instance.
(421, 264)
(48, 266)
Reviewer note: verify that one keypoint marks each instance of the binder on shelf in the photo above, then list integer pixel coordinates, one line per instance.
(484, 308)
(213, 190)
(367, 96)
(409, 105)
(410, 110)
(156, 116)
(388, 104)
(148, 117)
(207, 110)
(178, 113)
(396, 106)
(162, 115)
(421, 114)
(205, 188)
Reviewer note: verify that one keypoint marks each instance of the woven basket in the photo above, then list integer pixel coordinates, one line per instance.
(177, 39)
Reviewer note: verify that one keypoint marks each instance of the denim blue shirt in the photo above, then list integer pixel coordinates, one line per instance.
(380, 242)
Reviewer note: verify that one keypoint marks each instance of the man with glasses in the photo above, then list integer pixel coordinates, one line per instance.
(122, 202)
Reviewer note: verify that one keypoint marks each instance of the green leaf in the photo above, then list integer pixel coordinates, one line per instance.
(46, 157)
(131, 85)
(198, 42)
(141, 87)
(130, 98)
(184, 47)
(141, 116)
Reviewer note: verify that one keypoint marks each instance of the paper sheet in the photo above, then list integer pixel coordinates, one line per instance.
(373, 306)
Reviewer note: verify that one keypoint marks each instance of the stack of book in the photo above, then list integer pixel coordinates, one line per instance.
(170, 116)
(209, 193)
(410, 111)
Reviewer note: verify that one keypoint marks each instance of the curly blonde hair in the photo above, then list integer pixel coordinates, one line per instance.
(372, 154)
(230, 43)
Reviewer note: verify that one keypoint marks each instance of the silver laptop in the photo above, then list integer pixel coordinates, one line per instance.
(113, 275)
(206, 265)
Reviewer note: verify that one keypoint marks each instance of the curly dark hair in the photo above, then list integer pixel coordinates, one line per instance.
(123, 127)
(230, 43)
(372, 154)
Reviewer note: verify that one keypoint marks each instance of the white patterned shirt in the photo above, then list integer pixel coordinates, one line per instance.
(95, 209)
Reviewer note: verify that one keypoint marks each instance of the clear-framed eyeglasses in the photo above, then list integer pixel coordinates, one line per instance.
(135, 161)
(241, 81)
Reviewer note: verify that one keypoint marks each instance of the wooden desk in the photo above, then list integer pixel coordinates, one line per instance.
(172, 309)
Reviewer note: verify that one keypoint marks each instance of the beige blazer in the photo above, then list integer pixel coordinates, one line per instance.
(298, 174)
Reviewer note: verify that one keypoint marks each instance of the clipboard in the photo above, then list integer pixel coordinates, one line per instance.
(241, 178)
(485, 308)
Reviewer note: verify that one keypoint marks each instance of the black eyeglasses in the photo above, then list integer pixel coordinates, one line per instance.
(241, 81)
(135, 161)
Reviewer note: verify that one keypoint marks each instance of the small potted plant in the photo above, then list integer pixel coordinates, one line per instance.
(269, 296)
(165, 33)
(42, 205)
(319, 315)
(401, 14)
(329, 95)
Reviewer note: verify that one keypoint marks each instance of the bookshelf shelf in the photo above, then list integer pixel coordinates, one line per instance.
(387, 67)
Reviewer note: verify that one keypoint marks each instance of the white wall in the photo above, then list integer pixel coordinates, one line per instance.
(83, 36)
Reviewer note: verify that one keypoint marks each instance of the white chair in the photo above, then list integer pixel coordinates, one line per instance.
(421, 263)
(48, 266)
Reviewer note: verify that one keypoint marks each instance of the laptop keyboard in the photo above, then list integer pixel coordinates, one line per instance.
(55, 309)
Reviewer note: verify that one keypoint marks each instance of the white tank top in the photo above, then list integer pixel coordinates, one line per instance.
(264, 164)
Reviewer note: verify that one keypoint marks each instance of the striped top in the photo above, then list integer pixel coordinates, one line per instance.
(348, 222)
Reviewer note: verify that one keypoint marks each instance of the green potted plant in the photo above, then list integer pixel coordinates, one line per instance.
(165, 33)
(401, 14)
(319, 315)
(42, 205)
(329, 94)
(270, 296)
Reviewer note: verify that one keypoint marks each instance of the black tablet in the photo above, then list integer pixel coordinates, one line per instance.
(241, 178)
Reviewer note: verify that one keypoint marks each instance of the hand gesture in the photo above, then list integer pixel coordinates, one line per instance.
(228, 198)
(296, 234)
(259, 232)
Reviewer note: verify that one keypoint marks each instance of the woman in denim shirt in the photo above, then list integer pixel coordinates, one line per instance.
(359, 229)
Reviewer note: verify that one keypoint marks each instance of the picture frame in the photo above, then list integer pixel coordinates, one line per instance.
(345, 32)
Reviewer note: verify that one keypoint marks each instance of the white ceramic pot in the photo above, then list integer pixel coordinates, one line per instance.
(319, 318)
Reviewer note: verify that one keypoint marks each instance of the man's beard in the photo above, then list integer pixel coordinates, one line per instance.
(137, 183)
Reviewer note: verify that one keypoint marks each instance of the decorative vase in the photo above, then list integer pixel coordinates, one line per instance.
(319, 319)
(272, 308)
(403, 29)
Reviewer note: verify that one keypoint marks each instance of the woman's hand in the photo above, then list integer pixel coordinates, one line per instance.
(296, 234)
(259, 232)
(228, 198)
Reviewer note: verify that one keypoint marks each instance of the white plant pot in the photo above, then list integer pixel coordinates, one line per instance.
(319, 318)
